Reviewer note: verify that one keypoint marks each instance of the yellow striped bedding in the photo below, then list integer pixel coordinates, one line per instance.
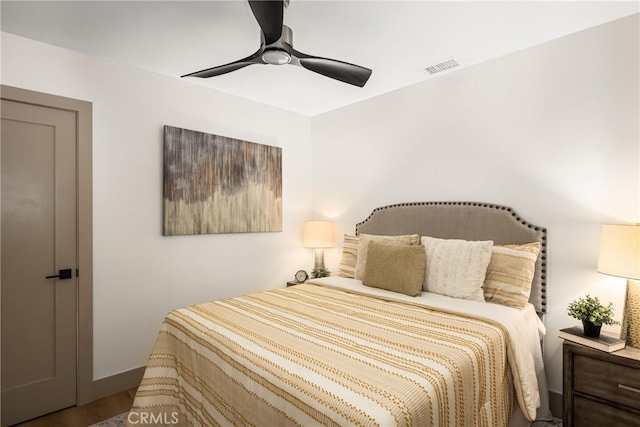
(313, 355)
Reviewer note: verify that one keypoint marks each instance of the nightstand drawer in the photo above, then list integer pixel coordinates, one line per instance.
(616, 383)
(587, 413)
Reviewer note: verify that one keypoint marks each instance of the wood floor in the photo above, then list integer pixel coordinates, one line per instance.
(84, 416)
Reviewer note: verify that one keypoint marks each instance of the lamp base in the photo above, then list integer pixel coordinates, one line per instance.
(319, 258)
(630, 331)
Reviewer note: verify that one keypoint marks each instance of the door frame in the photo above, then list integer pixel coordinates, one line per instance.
(84, 193)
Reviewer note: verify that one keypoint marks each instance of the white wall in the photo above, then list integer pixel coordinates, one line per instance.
(139, 274)
(551, 131)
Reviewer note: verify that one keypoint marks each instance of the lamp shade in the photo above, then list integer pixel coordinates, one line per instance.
(318, 234)
(620, 251)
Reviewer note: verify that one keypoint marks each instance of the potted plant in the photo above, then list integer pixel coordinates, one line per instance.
(319, 272)
(592, 313)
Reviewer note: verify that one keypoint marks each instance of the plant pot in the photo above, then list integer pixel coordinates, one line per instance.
(590, 329)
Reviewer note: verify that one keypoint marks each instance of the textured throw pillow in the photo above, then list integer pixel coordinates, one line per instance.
(361, 262)
(510, 273)
(456, 268)
(396, 268)
(347, 267)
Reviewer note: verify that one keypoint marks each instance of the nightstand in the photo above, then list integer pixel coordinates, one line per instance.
(293, 283)
(600, 388)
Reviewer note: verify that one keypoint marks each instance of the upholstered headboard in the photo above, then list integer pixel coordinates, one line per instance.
(467, 221)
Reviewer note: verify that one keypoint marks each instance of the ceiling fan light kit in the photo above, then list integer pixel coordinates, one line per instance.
(276, 57)
(276, 48)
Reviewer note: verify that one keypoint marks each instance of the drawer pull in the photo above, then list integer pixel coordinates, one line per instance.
(626, 387)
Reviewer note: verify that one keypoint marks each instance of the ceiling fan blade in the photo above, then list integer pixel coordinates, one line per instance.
(227, 68)
(269, 15)
(339, 70)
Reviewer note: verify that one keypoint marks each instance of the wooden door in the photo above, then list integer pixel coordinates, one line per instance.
(39, 238)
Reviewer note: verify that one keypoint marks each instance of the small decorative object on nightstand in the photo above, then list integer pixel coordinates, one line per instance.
(593, 314)
(600, 389)
(319, 272)
(606, 341)
(300, 277)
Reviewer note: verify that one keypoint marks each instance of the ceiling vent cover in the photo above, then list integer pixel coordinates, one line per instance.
(442, 66)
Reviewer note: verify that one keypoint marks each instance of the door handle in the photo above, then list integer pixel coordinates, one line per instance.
(63, 274)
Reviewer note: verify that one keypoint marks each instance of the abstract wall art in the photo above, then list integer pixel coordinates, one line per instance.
(214, 184)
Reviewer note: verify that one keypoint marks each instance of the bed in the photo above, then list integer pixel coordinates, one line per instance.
(354, 349)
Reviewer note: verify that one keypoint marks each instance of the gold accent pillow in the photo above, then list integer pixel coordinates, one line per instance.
(363, 245)
(396, 268)
(347, 267)
(510, 273)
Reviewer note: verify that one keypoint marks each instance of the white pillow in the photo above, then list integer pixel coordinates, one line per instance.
(363, 247)
(456, 268)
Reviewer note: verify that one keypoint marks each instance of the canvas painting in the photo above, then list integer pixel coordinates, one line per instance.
(214, 184)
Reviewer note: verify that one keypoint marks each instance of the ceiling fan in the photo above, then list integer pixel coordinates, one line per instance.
(276, 48)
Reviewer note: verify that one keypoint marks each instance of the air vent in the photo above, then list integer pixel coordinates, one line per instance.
(442, 66)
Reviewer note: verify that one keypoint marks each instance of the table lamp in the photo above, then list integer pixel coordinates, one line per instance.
(318, 235)
(620, 256)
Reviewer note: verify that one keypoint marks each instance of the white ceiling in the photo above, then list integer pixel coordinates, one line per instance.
(397, 39)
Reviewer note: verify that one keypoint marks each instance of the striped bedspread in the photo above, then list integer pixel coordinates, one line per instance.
(312, 355)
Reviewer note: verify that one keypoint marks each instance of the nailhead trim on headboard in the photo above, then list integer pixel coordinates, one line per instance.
(543, 249)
